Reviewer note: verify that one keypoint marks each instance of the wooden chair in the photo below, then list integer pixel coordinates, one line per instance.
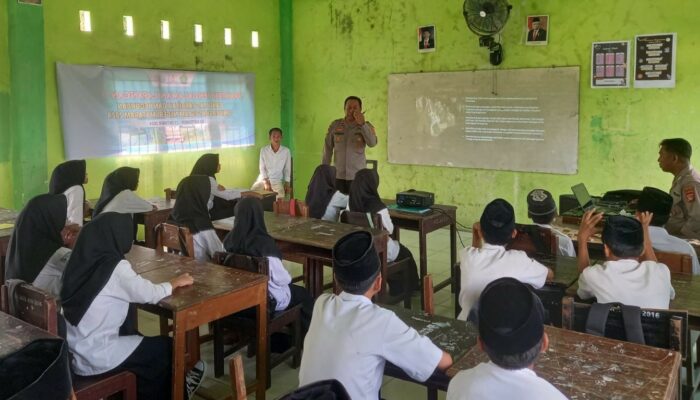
(169, 194)
(175, 239)
(38, 308)
(288, 320)
(677, 263)
(534, 240)
(282, 206)
(235, 367)
(428, 295)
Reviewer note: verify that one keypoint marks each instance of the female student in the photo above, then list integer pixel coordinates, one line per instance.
(323, 200)
(365, 198)
(221, 201)
(118, 193)
(68, 179)
(191, 210)
(98, 286)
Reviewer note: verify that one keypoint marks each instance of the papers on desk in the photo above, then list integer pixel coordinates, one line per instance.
(227, 222)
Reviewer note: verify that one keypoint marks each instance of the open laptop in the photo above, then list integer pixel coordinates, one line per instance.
(587, 202)
(583, 197)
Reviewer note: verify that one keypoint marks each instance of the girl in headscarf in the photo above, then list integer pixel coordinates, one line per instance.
(68, 179)
(40, 244)
(323, 200)
(98, 286)
(221, 201)
(365, 198)
(191, 210)
(118, 193)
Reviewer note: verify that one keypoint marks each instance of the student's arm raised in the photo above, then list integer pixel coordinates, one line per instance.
(585, 231)
(645, 218)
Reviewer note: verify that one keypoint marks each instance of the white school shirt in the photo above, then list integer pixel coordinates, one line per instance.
(488, 381)
(76, 198)
(646, 284)
(127, 202)
(49, 279)
(481, 266)
(663, 241)
(392, 246)
(566, 245)
(278, 284)
(276, 167)
(226, 194)
(95, 343)
(338, 202)
(206, 243)
(350, 339)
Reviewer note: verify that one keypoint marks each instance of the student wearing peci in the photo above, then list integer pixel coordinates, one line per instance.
(68, 179)
(275, 166)
(221, 200)
(674, 158)
(542, 210)
(118, 193)
(322, 198)
(351, 339)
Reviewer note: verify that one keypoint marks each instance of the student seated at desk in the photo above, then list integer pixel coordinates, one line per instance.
(275, 166)
(542, 210)
(40, 245)
(659, 203)
(511, 333)
(98, 286)
(351, 339)
(221, 200)
(118, 193)
(631, 274)
(482, 265)
(68, 179)
(191, 210)
(323, 200)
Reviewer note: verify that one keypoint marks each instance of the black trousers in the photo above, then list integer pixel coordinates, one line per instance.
(151, 362)
(342, 185)
(396, 281)
(300, 295)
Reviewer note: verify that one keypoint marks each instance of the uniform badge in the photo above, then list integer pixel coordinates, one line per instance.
(689, 193)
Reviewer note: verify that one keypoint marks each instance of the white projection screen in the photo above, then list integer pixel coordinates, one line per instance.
(111, 111)
(517, 120)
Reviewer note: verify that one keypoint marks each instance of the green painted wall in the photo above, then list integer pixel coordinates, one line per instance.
(349, 47)
(5, 164)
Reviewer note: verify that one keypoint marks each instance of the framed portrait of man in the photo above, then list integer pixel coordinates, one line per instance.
(426, 38)
(537, 27)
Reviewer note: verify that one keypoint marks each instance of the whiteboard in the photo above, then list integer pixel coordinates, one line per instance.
(517, 120)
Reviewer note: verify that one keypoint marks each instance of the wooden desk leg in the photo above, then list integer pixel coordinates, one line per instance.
(261, 358)
(149, 231)
(453, 254)
(179, 344)
(193, 356)
(317, 271)
(423, 249)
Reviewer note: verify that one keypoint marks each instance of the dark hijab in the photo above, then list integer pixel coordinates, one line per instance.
(37, 235)
(249, 235)
(320, 191)
(67, 175)
(207, 165)
(101, 245)
(117, 181)
(363, 192)
(191, 204)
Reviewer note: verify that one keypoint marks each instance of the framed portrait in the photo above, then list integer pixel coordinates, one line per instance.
(32, 2)
(426, 38)
(537, 27)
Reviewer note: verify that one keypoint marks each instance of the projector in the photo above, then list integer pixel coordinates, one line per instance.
(415, 198)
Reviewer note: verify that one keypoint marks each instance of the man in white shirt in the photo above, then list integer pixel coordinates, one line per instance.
(542, 210)
(350, 339)
(631, 274)
(275, 166)
(511, 333)
(491, 261)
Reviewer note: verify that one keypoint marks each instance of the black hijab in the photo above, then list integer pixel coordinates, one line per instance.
(207, 165)
(67, 175)
(37, 235)
(363, 192)
(249, 235)
(320, 191)
(117, 181)
(101, 245)
(191, 209)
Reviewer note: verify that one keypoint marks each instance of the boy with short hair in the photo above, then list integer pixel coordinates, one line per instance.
(350, 339)
(542, 210)
(275, 166)
(482, 265)
(511, 333)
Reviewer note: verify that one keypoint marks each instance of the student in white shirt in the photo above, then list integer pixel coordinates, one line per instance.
(482, 265)
(659, 203)
(350, 339)
(542, 209)
(323, 200)
(631, 274)
(68, 179)
(364, 197)
(511, 333)
(275, 166)
(221, 200)
(118, 193)
(191, 210)
(98, 286)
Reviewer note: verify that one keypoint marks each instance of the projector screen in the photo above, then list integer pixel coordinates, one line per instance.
(517, 120)
(109, 111)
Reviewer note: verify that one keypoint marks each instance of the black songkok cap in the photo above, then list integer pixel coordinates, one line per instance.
(510, 317)
(498, 219)
(540, 203)
(656, 201)
(354, 257)
(623, 230)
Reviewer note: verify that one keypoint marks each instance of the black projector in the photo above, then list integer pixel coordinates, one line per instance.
(415, 199)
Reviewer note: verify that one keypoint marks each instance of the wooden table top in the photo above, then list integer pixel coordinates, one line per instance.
(273, 222)
(7, 217)
(565, 269)
(316, 233)
(436, 211)
(453, 336)
(687, 289)
(590, 367)
(15, 334)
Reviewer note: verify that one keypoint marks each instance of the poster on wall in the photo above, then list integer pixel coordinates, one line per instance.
(426, 38)
(33, 2)
(610, 64)
(656, 61)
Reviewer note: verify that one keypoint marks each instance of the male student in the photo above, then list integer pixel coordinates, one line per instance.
(482, 265)
(275, 166)
(674, 157)
(542, 210)
(511, 333)
(630, 275)
(350, 338)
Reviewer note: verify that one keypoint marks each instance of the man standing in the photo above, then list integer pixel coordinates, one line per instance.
(275, 166)
(674, 157)
(346, 141)
(536, 34)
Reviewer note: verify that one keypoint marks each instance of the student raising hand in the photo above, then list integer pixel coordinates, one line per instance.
(182, 280)
(585, 231)
(645, 218)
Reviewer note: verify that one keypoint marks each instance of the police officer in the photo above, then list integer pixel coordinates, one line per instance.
(674, 157)
(346, 141)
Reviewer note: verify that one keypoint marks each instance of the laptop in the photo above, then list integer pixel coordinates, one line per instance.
(583, 197)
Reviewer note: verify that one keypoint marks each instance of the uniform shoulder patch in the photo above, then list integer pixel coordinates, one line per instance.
(689, 193)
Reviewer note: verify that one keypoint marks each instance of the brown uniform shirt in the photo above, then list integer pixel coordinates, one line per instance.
(685, 213)
(346, 143)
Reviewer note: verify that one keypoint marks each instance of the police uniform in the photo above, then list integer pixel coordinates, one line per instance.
(685, 214)
(346, 142)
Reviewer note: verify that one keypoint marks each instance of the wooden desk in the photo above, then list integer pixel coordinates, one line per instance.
(217, 292)
(687, 289)
(273, 222)
(15, 334)
(6, 217)
(590, 367)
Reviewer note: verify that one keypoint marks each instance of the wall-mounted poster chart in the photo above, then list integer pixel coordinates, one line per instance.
(656, 61)
(610, 64)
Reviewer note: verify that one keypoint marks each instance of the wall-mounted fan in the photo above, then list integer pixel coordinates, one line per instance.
(486, 18)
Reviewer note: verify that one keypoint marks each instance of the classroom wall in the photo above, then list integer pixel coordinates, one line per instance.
(5, 164)
(349, 47)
